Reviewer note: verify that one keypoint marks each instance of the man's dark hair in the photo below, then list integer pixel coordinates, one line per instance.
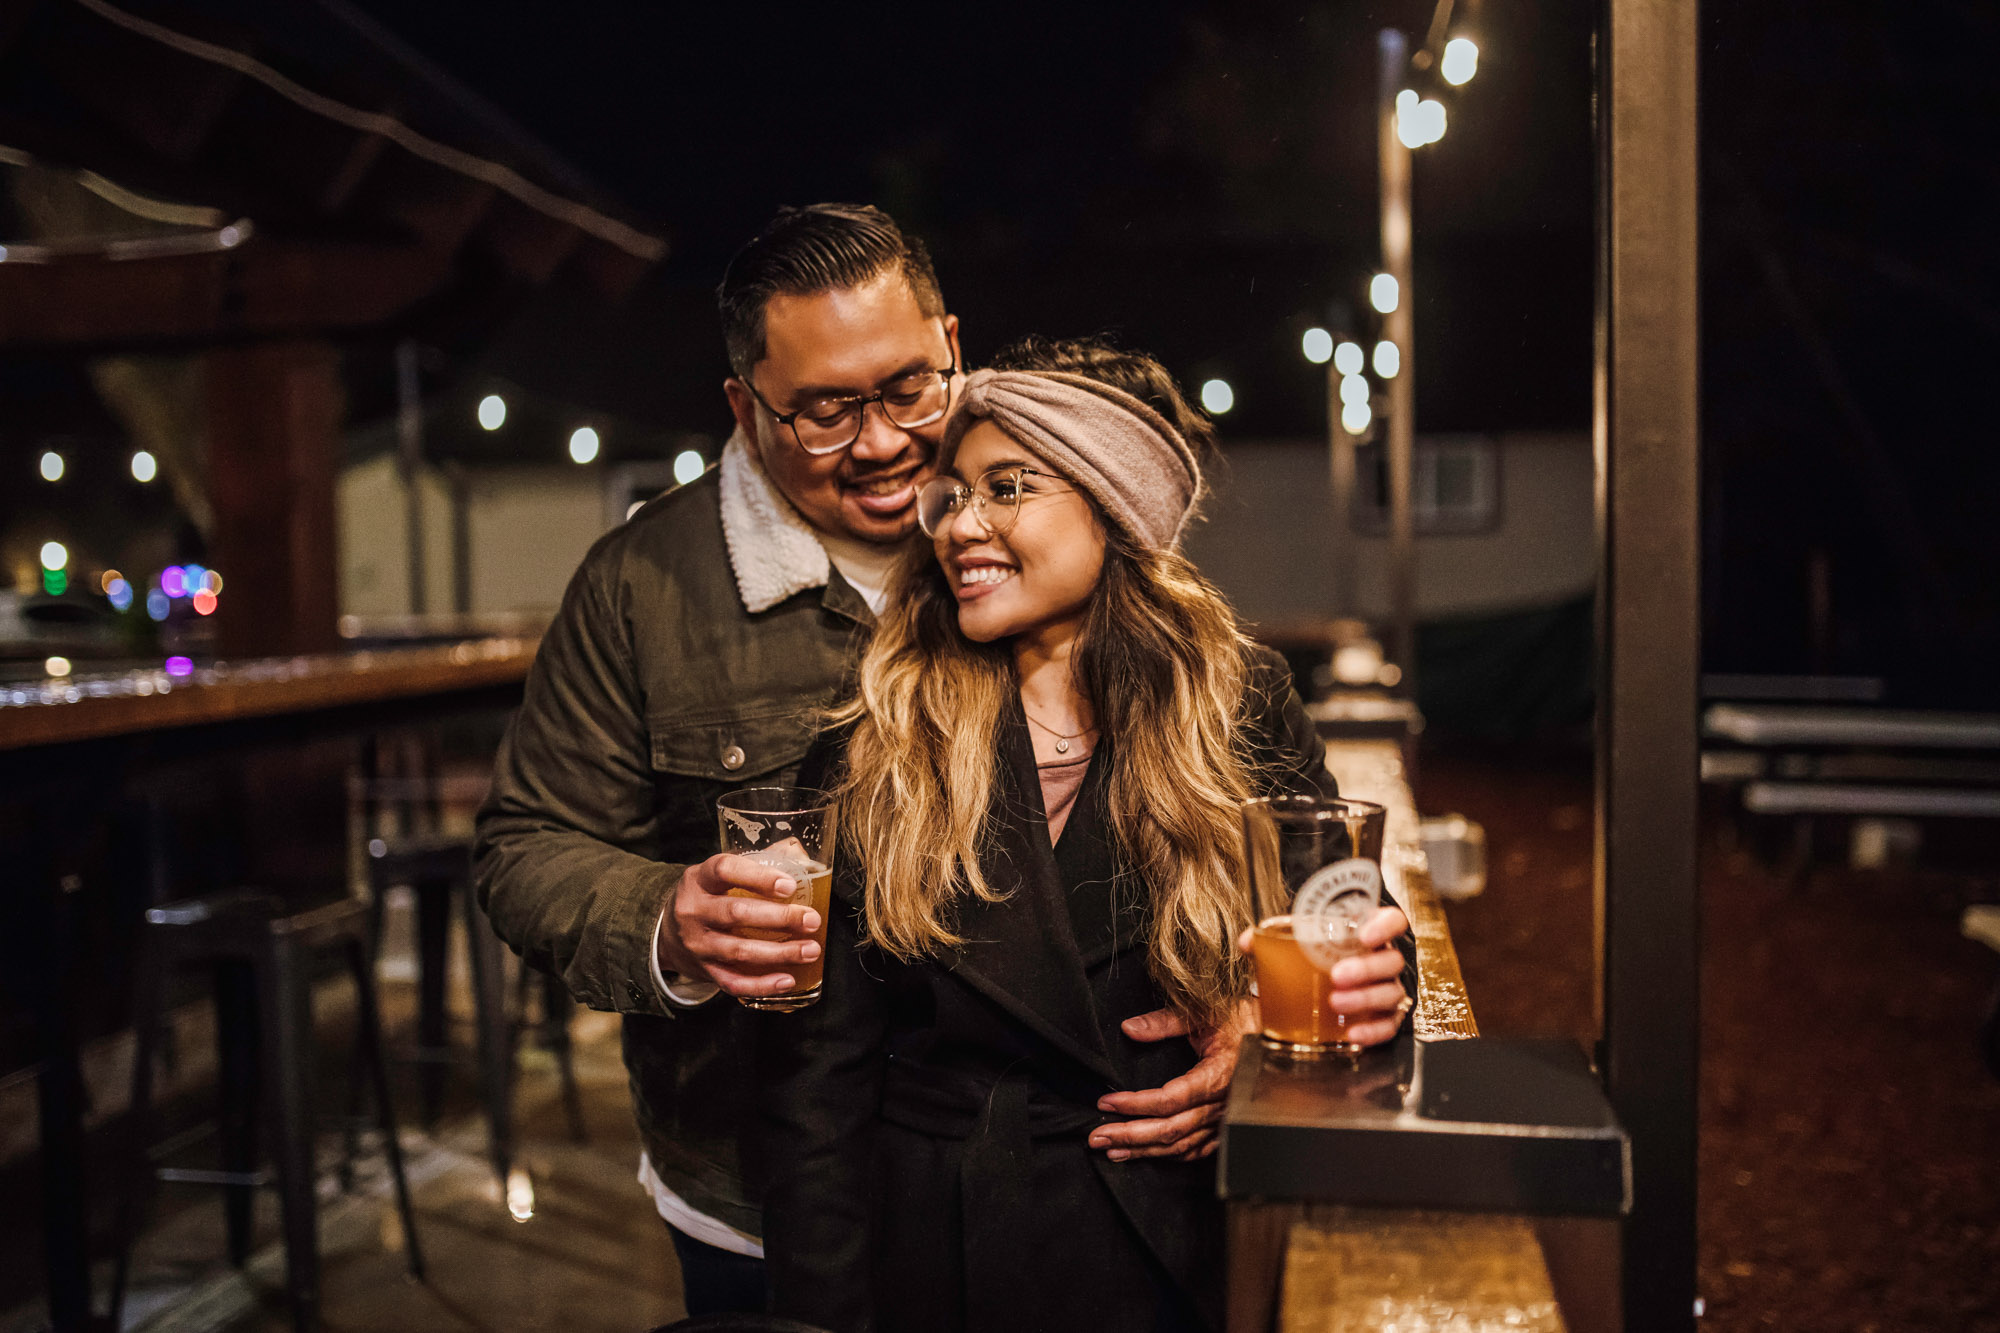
(818, 248)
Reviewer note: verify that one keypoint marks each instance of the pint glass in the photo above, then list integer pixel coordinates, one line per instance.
(1315, 877)
(792, 830)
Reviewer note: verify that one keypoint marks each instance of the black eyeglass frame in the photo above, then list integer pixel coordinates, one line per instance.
(789, 420)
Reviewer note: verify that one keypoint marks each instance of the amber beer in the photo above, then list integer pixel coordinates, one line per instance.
(1293, 992)
(815, 890)
(790, 829)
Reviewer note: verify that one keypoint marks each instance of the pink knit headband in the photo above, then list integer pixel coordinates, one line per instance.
(1117, 449)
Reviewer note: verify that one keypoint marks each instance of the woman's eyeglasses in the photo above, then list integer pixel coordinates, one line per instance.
(828, 425)
(996, 498)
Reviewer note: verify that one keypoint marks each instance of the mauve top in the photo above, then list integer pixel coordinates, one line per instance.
(1061, 780)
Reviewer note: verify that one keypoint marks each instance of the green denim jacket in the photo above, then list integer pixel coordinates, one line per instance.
(654, 693)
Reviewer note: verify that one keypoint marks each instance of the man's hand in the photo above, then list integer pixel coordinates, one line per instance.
(1181, 1117)
(743, 944)
(1368, 987)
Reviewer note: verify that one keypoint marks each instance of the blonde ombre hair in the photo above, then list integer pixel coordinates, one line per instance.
(1161, 659)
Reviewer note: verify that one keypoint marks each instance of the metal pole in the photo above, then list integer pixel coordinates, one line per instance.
(410, 462)
(1340, 463)
(1646, 431)
(1397, 327)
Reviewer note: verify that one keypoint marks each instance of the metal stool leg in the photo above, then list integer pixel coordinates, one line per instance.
(286, 993)
(433, 956)
(241, 1071)
(557, 1009)
(368, 1038)
(496, 1038)
(149, 1012)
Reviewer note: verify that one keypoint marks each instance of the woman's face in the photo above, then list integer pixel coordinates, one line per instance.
(1038, 575)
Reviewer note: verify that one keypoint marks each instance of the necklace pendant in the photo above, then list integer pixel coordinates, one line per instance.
(1062, 747)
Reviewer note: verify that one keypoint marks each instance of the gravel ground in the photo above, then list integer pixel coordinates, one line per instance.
(1850, 1138)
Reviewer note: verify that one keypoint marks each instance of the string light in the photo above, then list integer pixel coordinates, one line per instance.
(54, 555)
(1217, 396)
(1384, 293)
(492, 411)
(583, 444)
(1317, 344)
(1388, 359)
(687, 466)
(144, 466)
(52, 466)
(1353, 389)
(1354, 417)
(1461, 61)
(1347, 358)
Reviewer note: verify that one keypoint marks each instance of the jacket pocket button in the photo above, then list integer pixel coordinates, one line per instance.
(732, 758)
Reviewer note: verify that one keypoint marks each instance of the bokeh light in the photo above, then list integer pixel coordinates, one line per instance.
(583, 444)
(204, 602)
(180, 666)
(1347, 358)
(56, 666)
(1353, 389)
(1384, 293)
(1217, 396)
(1461, 61)
(158, 604)
(1354, 418)
(52, 466)
(173, 581)
(1318, 346)
(144, 466)
(1388, 359)
(687, 466)
(212, 581)
(55, 555)
(120, 593)
(107, 578)
(55, 582)
(493, 411)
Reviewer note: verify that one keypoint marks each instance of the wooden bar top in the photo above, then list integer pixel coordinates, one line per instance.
(93, 707)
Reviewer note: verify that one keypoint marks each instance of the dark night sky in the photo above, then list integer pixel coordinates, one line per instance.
(1199, 178)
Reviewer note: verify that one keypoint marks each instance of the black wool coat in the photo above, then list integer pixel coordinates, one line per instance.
(924, 1128)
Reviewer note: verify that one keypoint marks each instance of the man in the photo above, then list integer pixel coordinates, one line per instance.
(694, 646)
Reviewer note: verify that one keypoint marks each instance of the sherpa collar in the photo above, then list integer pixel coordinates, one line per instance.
(773, 551)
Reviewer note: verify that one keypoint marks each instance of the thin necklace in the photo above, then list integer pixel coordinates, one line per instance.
(1062, 741)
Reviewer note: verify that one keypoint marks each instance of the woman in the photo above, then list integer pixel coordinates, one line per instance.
(1038, 785)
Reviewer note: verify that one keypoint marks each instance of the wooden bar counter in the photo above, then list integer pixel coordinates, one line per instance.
(122, 790)
(129, 704)
(1365, 1199)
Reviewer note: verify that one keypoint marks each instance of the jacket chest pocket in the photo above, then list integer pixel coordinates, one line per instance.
(734, 749)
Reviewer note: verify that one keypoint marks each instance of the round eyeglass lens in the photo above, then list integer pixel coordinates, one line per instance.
(937, 500)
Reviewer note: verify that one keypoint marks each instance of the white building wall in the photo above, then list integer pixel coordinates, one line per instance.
(1269, 544)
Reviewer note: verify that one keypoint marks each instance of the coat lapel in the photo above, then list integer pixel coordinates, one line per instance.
(1021, 952)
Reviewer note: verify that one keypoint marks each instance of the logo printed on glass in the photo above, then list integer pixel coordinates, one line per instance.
(1331, 906)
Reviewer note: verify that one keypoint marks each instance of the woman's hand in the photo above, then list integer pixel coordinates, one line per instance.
(1368, 987)
(1180, 1117)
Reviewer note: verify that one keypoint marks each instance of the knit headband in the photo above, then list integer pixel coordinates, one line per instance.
(1117, 449)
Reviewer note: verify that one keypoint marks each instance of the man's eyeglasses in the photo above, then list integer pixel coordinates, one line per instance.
(828, 425)
(996, 498)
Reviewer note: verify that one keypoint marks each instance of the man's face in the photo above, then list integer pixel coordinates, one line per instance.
(852, 341)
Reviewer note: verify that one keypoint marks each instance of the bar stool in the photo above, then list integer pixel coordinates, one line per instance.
(262, 953)
(437, 868)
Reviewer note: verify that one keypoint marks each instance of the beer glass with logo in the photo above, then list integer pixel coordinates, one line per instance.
(1315, 869)
(790, 829)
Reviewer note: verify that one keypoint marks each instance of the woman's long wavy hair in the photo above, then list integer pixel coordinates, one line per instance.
(1160, 658)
